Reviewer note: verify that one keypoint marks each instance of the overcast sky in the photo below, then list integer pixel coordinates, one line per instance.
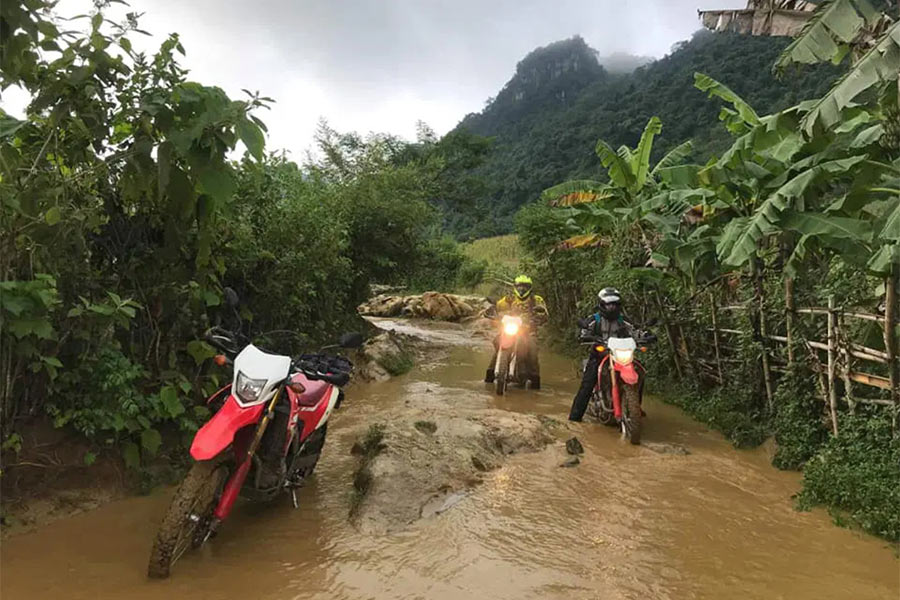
(381, 65)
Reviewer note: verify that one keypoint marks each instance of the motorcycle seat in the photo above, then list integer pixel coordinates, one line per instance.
(315, 390)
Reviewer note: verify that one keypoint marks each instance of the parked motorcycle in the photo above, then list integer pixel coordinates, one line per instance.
(265, 438)
(618, 395)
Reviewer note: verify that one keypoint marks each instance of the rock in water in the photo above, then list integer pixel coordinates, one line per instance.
(416, 476)
(573, 446)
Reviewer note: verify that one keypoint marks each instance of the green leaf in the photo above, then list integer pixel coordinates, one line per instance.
(674, 157)
(131, 455)
(40, 328)
(745, 112)
(826, 35)
(817, 224)
(200, 351)
(880, 64)
(89, 458)
(640, 164)
(151, 440)
(891, 229)
(53, 216)
(217, 181)
(619, 169)
(9, 126)
(168, 395)
(252, 136)
(766, 217)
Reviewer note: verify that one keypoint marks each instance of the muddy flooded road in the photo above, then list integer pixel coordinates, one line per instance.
(685, 516)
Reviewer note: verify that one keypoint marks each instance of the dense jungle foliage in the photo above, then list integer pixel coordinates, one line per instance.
(125, 214)
(546, 119)
(802, 207)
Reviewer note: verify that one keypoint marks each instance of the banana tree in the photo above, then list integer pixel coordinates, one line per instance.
(826, 191)
(596, 207)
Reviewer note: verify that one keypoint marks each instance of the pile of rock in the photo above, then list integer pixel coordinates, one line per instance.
(430, 305)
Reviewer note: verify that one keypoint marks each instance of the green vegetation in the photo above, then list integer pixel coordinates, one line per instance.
(548, 117)
(804, 199)
(123, 218)
(399, 363)
(498, 259)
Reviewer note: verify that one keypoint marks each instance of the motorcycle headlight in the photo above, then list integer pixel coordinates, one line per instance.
(511, 328)
(248, 389)
(623, 357)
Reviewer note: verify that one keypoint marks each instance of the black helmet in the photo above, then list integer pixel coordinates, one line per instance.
(609, 303)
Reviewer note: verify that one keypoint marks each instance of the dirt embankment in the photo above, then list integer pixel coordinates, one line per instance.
(430, 305)
(420, 460)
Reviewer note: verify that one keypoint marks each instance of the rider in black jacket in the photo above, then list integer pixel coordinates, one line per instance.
(608, 321)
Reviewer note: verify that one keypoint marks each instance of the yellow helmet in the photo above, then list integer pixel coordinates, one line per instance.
(522, 286)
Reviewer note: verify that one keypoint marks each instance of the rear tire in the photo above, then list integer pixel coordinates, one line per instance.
(635, 423)
(188, 518)
(502, 373)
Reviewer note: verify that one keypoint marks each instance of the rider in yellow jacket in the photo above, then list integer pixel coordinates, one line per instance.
(533, 311)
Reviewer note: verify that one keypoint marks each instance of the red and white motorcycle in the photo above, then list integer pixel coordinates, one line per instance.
(265, 438)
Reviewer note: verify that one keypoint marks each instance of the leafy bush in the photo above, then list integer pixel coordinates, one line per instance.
(856, 472)
(799, 430)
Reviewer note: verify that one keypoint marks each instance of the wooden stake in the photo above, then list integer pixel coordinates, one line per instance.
(890, 337)
(789, 316)
(671, 335)
(845, 358)
(715, 328)
(832, 391)
(767, 372)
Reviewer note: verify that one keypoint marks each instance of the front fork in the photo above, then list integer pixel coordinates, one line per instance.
(233, 487)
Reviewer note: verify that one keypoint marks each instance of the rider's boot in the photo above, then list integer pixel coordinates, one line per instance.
(489, 375)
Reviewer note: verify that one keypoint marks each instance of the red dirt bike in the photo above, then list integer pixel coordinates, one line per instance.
(264, 439)
(512, 347)
(618, 395)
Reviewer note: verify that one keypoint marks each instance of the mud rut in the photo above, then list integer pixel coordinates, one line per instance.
(683, 516)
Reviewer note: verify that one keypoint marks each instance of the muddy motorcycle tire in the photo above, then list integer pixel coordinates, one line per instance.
(189, 515)
(310, 453)
(502, 374)
(635, 423)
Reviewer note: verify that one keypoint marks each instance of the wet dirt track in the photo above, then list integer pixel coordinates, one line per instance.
(628, 522)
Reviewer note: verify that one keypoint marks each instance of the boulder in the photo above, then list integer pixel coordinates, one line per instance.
(420, 461)
(384, 349)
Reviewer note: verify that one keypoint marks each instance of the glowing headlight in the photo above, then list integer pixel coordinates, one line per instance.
(623, 357)
(249, 390)
(511, 328)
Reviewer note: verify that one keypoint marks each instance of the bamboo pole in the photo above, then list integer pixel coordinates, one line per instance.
(845, 364)
(789, 316)
(767, 373)
(890, 338)
(832, 391)
(715, 324)
(670, 334)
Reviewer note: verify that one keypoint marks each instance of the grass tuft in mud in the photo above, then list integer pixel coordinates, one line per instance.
(399, 363)
(428, 427)
(366, 449)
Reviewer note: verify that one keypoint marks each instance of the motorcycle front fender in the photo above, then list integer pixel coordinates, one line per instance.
(217, 433)
(628, 373)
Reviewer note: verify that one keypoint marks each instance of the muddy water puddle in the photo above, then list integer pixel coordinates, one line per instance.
(686, 517)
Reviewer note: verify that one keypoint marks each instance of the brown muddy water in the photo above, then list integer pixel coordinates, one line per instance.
(628, 522)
